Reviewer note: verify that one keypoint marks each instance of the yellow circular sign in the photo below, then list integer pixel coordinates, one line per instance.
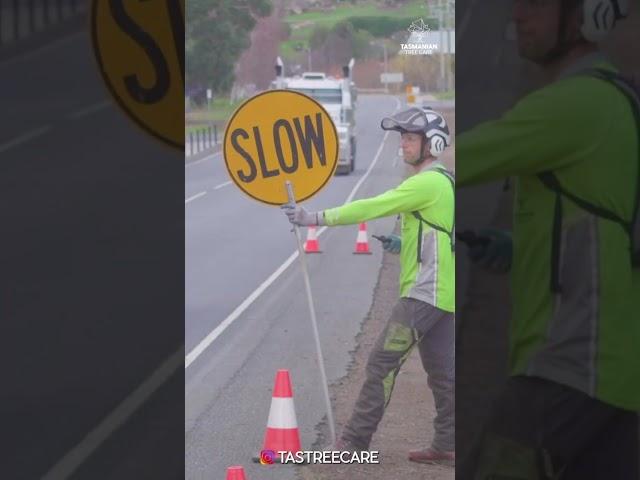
(139, 46)
(277, 136)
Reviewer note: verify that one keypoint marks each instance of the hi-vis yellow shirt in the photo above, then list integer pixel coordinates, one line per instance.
(431, 194)
(587, 336)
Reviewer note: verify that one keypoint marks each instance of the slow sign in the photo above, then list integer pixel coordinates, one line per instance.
(139, 45)
(277, 136)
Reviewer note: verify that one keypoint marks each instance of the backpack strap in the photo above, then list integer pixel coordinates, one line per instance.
(550, 181)
(631, 90)
(439, 228)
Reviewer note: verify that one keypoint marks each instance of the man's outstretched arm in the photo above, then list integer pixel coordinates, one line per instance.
(547, 130)
(413, 194)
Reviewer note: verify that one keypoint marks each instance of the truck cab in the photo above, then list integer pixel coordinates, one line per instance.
(337, 96)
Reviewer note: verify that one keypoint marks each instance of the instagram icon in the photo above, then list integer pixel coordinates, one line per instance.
(267, 457)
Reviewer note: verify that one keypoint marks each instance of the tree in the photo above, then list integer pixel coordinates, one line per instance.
(336, 46)
(318, 37)
(217, 31)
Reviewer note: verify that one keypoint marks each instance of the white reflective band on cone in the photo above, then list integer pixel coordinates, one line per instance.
(282, 413)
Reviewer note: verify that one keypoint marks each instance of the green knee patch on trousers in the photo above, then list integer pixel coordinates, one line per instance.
(504, 459)
(399, 338)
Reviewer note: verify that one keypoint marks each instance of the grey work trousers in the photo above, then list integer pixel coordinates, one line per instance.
(412, 322)
(539, 429)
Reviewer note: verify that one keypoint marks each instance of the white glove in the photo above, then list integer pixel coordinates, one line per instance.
(299, 216)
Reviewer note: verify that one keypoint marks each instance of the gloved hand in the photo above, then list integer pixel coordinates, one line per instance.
(496, 255)
(392, 243)
(299, 216)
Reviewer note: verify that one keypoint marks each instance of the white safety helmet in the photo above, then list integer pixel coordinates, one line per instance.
(421, 120)
(600, 17)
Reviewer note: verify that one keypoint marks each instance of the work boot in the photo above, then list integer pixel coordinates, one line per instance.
(433, 457)
(343, 445)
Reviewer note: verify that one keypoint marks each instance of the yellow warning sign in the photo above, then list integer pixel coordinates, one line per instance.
(139, 46)
(277, 136)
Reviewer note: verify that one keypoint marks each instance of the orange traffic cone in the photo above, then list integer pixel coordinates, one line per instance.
(312, 245)
(282, 427)
(235, 473)
(362, 242)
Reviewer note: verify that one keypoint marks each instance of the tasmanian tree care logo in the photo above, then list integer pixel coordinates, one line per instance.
(419, 42)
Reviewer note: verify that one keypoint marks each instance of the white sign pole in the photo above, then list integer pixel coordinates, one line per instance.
(314, 323)
(209, 95)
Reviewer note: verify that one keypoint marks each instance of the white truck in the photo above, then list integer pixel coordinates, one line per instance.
(337, 96)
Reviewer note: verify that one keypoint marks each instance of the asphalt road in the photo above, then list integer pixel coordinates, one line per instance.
(91, 276)
(233, 244)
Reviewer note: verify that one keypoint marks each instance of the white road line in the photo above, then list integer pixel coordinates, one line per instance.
(192, 198)
(45, 49)
(208, 157)
(88, 110)
(68, 464)
(216, 332)
(398, 157)
(373, 164)
(222, 185)
(24, 138)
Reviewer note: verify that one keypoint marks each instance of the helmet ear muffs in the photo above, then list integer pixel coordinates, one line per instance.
(600, 16)
(437, 145)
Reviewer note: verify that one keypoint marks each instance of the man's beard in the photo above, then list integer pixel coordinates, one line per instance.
(414, 163)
